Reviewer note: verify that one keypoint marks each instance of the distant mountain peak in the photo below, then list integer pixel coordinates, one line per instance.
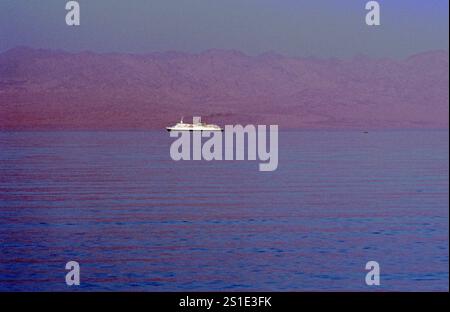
(440, 55)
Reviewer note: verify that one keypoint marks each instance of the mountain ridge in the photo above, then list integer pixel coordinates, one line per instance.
(48, 89)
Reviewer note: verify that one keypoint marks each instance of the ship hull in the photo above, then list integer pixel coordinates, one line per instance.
(191, 130)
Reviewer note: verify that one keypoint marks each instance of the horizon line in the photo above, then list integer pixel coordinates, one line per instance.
(270, 53)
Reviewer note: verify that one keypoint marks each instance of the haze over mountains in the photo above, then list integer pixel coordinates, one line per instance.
(43, 89)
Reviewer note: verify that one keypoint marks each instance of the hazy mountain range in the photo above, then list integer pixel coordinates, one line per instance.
(44, 89)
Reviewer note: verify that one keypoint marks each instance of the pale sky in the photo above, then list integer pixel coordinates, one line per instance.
(320, 28)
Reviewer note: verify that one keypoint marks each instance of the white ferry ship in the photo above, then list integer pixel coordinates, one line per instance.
(197, 125)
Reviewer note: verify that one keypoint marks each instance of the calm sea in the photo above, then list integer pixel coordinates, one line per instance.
(136, 220)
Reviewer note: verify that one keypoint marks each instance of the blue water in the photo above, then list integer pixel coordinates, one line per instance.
(136, 220)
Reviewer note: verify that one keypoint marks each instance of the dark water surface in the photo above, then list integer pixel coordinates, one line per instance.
(136, 220)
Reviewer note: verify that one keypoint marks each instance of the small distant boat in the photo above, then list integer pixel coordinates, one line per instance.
(196, 126)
